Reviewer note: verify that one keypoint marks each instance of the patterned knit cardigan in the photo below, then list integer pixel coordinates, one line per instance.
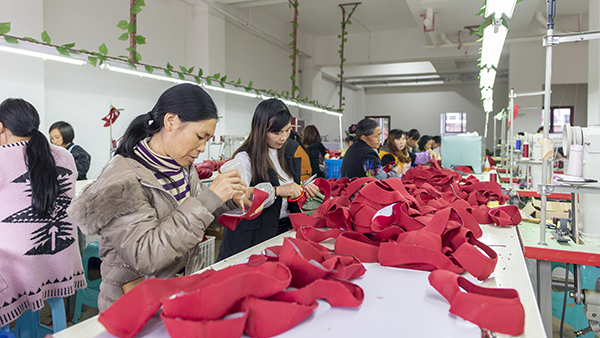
(39, 256)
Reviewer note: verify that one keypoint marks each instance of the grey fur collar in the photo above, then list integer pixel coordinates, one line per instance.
(92, 211)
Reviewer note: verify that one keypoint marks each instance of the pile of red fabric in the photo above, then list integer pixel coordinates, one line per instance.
(265, 297)
(429, 220)
(334, 154)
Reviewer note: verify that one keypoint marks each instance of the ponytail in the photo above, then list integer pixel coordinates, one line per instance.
(23, 120)
(43, 174)
(140, 128)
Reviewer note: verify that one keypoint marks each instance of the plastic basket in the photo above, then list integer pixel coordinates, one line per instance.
(332, 168)
(207, 251)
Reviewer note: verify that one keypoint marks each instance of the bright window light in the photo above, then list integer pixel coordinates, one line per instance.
(492, 45)
(44, 56)
(487, 78)
(497, 7)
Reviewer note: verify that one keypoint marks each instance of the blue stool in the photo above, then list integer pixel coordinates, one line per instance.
(89, 295)
(28, 324)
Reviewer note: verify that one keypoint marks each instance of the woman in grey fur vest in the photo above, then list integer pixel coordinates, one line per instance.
(147, 204)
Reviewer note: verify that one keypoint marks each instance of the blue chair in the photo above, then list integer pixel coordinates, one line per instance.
(89, 295)
(28, 324)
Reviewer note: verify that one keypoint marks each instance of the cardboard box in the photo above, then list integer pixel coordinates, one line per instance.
(553, 209)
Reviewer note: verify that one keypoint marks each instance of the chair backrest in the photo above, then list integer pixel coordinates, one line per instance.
(91, 251)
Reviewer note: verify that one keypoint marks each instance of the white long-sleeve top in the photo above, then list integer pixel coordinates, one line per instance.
(284, 177)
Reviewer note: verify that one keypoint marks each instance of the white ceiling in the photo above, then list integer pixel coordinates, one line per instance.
(322, 17)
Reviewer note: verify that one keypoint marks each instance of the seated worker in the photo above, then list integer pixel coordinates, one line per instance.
(395, 150)
(148, 204)
(362, 159)
(62, 135)
(350, 137)
(425, 143)
(38, 240)
(437, 142)
(315, 149)
(268, 162)
(296, 147)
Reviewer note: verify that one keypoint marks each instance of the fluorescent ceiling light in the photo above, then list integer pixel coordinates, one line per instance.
(492, 45)
(487, 93)
(386, 70)
(44, 56)
(232, 91)
(488, 105)
(113, 68)
(498, 7)
(487, 78)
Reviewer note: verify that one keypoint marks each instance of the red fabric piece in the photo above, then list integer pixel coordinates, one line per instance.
(230, 326)
(231, 221)
(358, 245)
(126, 317)
(212, 301)
(304, 260)
(112, 116)
(462, 246)
(505, 215)
(498, 310)
(343, 267)
(268, 318)
(337, 293)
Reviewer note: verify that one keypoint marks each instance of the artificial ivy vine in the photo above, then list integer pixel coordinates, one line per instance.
(131, 30)
(294, 34)
(98, 58)
(344, 39)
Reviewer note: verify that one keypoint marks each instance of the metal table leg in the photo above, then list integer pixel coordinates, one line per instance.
(544, 284)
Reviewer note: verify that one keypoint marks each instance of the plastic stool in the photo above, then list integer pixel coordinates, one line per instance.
(6, 334)
(89, 295)
(28, 324)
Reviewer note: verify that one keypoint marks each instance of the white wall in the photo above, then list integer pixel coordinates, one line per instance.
(23, 76)
(175, 31)
(421, 107)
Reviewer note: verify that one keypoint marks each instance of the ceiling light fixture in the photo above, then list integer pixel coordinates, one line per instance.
(40, 55)
(499, 7)
(493, 42)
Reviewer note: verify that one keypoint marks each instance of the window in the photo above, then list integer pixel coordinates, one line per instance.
(454, 123)
(559, 116)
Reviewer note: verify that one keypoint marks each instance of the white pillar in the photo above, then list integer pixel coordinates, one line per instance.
(593, 118)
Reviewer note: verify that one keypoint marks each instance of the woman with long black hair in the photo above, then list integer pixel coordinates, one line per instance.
(39, 241)
(148, 204)
(266, 162)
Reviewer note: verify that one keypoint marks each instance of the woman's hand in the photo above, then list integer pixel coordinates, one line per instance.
(398, 169)
(290, 190)
(228, 185)
(311, 190)
(432, 155)
(248, 202)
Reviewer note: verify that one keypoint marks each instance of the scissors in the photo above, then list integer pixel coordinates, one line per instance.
(304, 185)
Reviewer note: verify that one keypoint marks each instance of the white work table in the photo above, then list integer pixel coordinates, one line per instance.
(398, 302)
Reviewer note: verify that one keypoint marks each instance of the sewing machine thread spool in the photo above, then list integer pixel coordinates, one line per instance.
(575, 161)
(518, 146)
(525, 150)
